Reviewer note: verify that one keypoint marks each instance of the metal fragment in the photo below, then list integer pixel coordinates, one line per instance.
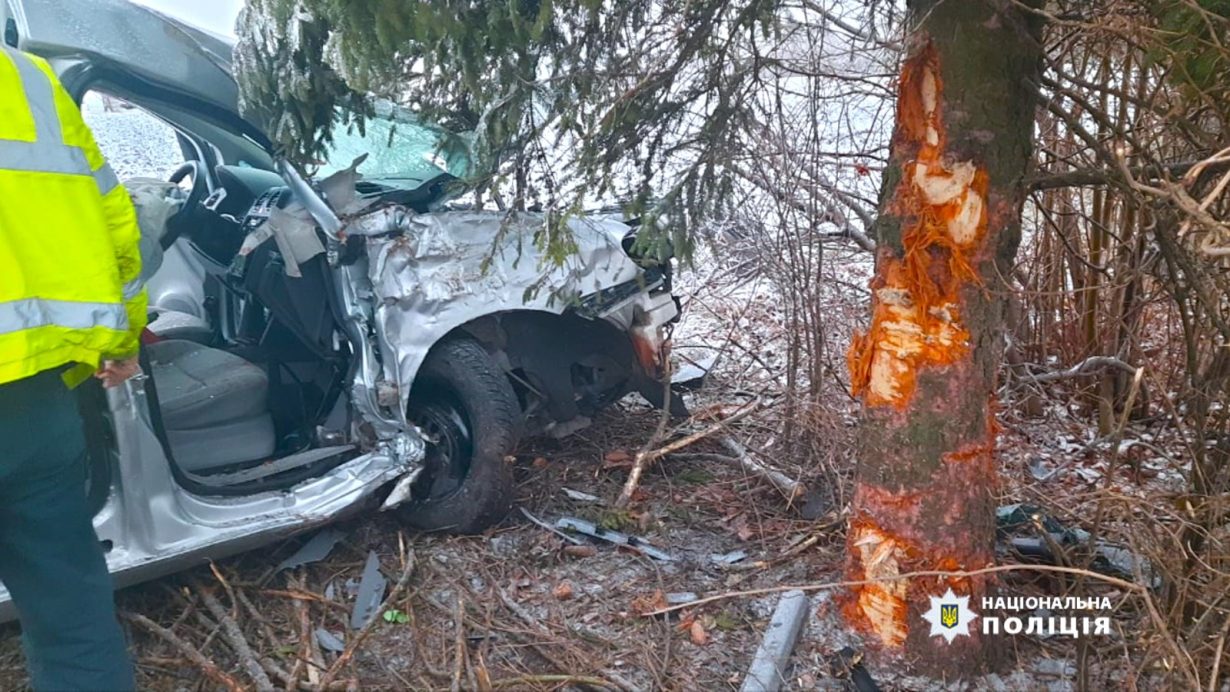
(567, 537)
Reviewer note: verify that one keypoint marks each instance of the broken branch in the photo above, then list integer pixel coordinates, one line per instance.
(1085, 367)
(784, 484)
(1138, 589)
(239, 643)
(208, 667)
(645, 458)
(553, 680)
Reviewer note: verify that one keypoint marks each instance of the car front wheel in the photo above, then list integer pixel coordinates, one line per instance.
(464, 404)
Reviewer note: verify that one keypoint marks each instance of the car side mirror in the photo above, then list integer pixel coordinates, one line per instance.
(10, 31)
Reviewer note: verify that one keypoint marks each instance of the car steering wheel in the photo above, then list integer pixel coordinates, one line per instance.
(187, 216)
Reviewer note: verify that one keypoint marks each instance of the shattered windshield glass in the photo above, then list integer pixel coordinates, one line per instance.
(402, 151)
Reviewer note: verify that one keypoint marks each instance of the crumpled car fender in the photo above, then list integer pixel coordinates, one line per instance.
(448, 269)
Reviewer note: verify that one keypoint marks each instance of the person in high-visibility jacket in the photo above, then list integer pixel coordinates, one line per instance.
(70, 297)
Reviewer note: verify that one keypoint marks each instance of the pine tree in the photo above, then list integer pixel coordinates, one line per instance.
(635, 99)
(949, 226)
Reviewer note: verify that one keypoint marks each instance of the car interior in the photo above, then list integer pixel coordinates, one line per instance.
(246, 366)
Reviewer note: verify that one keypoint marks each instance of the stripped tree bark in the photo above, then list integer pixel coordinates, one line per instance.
(949, 226)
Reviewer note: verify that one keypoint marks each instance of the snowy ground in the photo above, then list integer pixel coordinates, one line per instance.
(134, 142)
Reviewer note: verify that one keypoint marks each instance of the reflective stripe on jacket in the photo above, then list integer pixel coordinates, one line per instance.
(69, 260)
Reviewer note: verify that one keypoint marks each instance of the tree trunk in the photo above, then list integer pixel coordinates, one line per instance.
(949, 226)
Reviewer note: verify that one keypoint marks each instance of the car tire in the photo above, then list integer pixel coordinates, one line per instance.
(466, 404)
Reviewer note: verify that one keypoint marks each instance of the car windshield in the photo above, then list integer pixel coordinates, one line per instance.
(402, 151)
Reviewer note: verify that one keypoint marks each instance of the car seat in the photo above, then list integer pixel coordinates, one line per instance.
(215, 406)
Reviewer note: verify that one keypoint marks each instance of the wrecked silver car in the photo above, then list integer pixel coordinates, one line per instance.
(322, 346)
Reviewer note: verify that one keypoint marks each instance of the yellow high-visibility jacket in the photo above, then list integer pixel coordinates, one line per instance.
(69, 264)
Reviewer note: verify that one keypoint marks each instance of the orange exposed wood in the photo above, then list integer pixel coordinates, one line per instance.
(879, 608)
(916, 314)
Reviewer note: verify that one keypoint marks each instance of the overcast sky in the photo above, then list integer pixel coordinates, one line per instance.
(217, 16)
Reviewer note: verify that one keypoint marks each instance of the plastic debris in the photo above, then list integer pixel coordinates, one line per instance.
(371, 593)
(1108, 558)
(691, 376)
(315, 549)
(848, 665)
(728, 558)
(580, 496)
(329, 641)
(594, 531)
(768, 669)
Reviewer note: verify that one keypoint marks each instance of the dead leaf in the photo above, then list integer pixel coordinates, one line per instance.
(562, 591)
(644, 521)
(741, 529)
(699, 636)
(580, 550)
(649, 603)
(617, 459)
(540, 462)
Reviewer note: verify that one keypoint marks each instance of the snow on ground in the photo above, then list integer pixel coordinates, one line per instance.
(135, 143)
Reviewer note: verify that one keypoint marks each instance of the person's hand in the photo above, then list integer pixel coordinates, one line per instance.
(114, 373)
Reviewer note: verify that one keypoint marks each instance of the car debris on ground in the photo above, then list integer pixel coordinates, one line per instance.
(769, 666)
(634, 543)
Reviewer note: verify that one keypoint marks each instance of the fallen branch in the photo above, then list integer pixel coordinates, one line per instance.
(188, 651)
(355, 643)
(1085, 367)
(239, 643)
(459, 644)
(784, 484)
(553, 680)
(301, 595)
(645, 458)
(638, 466)
(305, 639)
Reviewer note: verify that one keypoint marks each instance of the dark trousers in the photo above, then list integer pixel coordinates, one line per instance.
(50, 559)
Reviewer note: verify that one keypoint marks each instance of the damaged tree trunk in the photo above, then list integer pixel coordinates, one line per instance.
(949, 226)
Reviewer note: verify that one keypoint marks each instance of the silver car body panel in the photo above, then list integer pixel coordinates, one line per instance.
(448, 269)
(152, 526)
